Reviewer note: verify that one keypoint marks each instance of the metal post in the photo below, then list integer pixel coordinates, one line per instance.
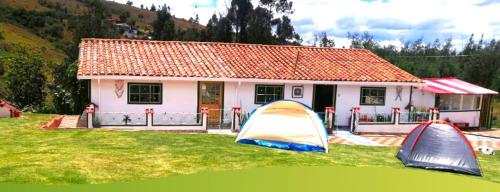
(431, 114)
(204, 112)
(395, 115)
(354, 118)
(235, 121)
(329, 111)
(435, 114)
(90, 116)
(149, 117)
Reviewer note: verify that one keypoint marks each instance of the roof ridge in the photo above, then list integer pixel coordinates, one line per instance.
(224, 43)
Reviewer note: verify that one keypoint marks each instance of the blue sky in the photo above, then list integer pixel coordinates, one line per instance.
(390, 21)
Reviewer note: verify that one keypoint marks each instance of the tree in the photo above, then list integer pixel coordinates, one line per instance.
(124, 16)
(196, 19)
(26, 81)
(153, 8)
(323, 40)
(129, 3)
(224, 30)
(218, 29)
(142, 6)
(259, 27)
(364, 40)
(94, 23)
(239, 14)
(285, 33)
(210, 31)
(164, 26)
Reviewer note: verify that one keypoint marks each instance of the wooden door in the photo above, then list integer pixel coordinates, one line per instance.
(210, 96)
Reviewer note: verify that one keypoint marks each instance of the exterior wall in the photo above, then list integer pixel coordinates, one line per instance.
(182, 96)
(471, 117)
(178, 96)
(4, 112)
(348, 96)
(422, 98)
(243, 95)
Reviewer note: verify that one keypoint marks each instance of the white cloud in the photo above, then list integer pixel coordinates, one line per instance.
(391, 21)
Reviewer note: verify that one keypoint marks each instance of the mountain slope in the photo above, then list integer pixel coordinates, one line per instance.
(76, 7)
(19, 38)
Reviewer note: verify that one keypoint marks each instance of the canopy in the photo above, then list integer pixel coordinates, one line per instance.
(452, 85)
(439, 145)
(285, 125)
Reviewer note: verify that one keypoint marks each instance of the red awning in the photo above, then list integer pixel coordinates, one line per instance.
(453, 86)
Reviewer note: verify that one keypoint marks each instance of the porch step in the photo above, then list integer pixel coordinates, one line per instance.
(69, 121)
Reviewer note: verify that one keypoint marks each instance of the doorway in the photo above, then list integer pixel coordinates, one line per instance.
(210, 95)
(324, 96)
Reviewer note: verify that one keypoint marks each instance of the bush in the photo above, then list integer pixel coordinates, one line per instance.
(26, 82)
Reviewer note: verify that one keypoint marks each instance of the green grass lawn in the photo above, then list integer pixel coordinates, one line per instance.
(31, 155)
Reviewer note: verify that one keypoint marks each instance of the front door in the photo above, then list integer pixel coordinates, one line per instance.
(324, 96)
(210, 96)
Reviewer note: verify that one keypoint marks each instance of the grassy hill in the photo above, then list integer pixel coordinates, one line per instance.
(76, 7)
(19, 38)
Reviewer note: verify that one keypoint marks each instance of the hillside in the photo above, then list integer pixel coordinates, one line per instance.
(76, 7)
(149, 16)
(19, 38)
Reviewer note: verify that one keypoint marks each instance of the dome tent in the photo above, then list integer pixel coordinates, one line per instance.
(439, 145)
(285, 125)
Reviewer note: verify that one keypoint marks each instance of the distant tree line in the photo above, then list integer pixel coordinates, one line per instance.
(478, 62)
(267, 23)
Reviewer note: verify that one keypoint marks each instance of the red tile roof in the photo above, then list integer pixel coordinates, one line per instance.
(120, 57)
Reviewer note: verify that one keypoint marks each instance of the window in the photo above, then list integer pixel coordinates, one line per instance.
(459, 102)
(144, 93)
(372, 96)
(268, 93)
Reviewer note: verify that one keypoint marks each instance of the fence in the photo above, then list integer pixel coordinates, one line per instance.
(172, 119)
(414, 117)
(120, 119)
(376, 118)
(394, 122)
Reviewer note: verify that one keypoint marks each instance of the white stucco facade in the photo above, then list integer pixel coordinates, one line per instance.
(182, 97)
(348, 96)
(178, 96)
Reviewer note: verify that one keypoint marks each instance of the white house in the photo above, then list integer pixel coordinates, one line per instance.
(178, 79)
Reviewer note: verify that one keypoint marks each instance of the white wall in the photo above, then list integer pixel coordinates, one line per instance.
(423, 98)
(471, 117)
(182, 96)
(348, 96)
(243, 95)
(178, 96)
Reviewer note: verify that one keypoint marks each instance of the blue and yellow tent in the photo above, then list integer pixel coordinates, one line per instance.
(285, 125)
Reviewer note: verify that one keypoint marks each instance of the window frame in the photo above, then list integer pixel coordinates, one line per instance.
(361, 96)
(461, 103)
(150, 92)
(268, 85)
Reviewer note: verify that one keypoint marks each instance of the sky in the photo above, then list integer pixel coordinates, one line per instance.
(390, 21)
